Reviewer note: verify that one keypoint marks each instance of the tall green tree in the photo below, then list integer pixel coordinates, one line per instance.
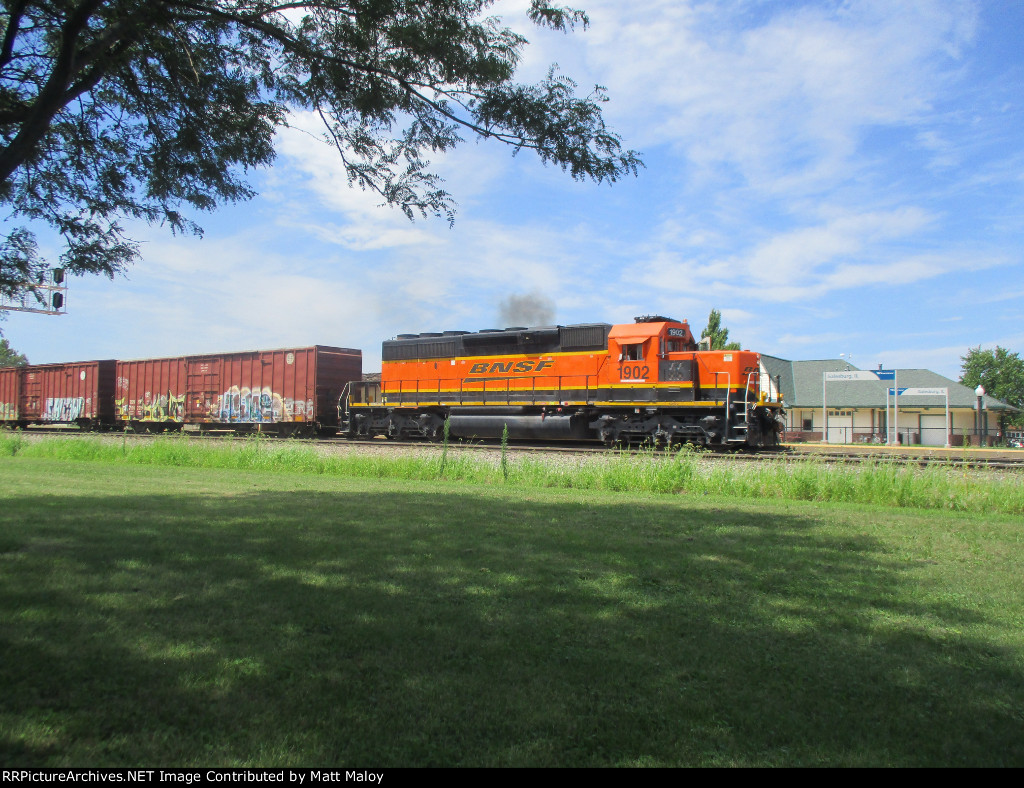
(719, 334)
(9, 357)
(1000, 372)
(114, 110)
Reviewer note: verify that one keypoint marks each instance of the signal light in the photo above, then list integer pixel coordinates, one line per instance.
(58, 276)
(58, 300)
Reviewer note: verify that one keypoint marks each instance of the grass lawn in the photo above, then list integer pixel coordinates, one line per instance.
(181, 616)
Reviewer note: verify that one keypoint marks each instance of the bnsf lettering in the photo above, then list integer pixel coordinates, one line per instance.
(486, 367)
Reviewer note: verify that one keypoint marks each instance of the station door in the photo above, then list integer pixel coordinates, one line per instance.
(933, 430)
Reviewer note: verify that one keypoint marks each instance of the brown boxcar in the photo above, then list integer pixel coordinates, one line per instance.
(10, 395)
(284, 391)
(80, 392)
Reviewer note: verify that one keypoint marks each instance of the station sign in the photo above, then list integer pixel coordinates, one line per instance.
(851, 374)
(918, 392)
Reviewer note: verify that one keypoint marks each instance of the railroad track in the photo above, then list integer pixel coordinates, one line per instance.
(993, 459)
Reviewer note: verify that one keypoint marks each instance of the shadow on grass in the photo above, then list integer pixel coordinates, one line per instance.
(315, 628)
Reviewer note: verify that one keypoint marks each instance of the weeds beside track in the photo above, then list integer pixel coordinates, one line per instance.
(684, 472)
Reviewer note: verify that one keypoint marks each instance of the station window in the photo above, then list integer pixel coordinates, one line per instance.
(633, 352)
(808, 424)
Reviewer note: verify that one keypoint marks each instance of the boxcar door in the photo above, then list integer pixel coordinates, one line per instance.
(31, 405)
(203, 397)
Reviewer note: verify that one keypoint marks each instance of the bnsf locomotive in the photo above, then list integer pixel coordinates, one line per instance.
(645, 382)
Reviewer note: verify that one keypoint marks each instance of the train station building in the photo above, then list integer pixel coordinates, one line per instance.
(930, 410)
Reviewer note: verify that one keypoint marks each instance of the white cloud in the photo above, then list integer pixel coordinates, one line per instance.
(808, 262)
(785, 97)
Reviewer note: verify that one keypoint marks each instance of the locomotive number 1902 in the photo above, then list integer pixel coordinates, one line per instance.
(633, 372)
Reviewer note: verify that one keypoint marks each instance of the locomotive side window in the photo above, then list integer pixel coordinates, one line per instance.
(633, 352)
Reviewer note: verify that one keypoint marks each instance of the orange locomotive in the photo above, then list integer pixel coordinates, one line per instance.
(644, 382)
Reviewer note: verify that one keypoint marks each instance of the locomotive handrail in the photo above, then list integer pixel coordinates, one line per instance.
(485, 386)
(344, 396)
(745, 392)
(700, 360)
(728, 391)
(431, 391)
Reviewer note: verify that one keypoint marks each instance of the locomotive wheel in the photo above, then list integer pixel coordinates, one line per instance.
(655, 440)
(610, 437)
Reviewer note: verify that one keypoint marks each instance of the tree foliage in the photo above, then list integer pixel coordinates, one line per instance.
(115, 110)
(718, 333)
(999, 371)
(9, 357)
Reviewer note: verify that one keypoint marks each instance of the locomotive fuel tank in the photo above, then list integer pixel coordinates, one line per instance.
(532, 427)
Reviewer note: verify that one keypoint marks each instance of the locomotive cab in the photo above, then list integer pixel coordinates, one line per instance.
(712, 397)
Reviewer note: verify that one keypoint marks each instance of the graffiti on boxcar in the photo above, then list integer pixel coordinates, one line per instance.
(297, 410)
(63, 408)
(8, 411)
(163, 407)
(252, 406)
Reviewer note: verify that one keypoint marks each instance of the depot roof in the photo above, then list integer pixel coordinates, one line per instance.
(801, 385)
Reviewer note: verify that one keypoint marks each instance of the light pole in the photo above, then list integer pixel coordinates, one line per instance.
(979, 393)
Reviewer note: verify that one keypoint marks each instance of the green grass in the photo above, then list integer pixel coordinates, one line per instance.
(235, 616)
(884, 483)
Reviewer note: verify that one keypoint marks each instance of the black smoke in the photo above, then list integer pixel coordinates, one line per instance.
(526, 309)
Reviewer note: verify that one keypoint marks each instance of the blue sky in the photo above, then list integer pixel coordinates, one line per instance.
(835, 177)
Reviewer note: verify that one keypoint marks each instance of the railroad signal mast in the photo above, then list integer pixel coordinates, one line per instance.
(46, 296)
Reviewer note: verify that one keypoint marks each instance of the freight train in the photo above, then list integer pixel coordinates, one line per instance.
(291, 391)
(646, 382)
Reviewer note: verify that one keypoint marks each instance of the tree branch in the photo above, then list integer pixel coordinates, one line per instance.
(11, 33)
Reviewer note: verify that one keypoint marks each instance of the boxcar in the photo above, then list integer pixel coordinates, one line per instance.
(10, 394)
(79, 393)
(286, 391)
